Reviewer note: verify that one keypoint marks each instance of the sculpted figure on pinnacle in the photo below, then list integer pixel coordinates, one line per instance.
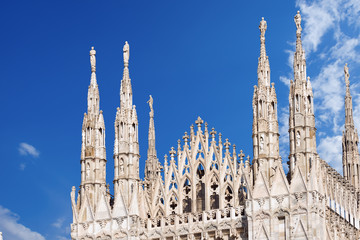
(93, 59)
(126, 51)
(262, 27)
(347, 74)
(297, 20)
(150, 102)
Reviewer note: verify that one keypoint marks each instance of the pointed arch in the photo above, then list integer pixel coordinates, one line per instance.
(228, 195)
(173, 203)
(200, 171)
(186, 190)
(214, 190)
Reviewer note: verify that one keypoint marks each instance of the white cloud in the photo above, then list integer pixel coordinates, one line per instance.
(285, 80)
(22, 166)
(13, 230)
(58, 223)
(330, 150)
(331, 38)
(320, 17)
(27, 149)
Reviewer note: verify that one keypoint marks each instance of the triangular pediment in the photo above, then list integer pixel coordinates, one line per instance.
(134, 203)
(297, 182)
(102, 211)
(86, 213)
(119, 206)
(280, 185)
(261, 188)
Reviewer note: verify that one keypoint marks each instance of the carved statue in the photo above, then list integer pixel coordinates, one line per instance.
(347, 74)
(93, 59)
(297, 139)
(262, 27)
(297, 20)
(121, 166)
(150, 102)
(126, 53)
(261, 143)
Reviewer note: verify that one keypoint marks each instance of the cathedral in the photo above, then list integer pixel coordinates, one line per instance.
(206, 189)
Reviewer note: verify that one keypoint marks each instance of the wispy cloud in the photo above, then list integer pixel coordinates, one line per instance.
(59, 222)
(331, 38)
(26, 149)
(12, 229)
(22, 166)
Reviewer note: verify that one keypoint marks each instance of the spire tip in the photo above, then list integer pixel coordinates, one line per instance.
(126, 53)
(93, 59)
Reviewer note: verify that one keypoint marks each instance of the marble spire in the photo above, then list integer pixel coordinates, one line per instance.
(263, 61)
(299, 55)
(265, 124)
(350, 139)
(302, 131)
(152, 165)
(126, 89)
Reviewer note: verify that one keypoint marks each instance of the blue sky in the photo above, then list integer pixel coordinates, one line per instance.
(196, 58)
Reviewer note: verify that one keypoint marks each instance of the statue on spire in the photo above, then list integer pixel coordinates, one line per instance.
(347, 75)
(297, 20)
(262, 27)
(93, 59)
(150, 102)
(126, 52)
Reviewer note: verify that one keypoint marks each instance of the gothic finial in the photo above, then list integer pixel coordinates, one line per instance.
(220, 141)
(186, 137)
(227, 144)
(179, 145)
(241, 155)
(93, 59)
(212, 133)
(297, 20)
(198, 122)
(234, 150)
(172, 153)
(126, 54)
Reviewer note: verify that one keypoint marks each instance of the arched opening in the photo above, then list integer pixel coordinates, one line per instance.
(159, 216)
(173, 183)
(200, 171)
(214, 197)
(187, 196)
(297, 103)
(242, 193)
(228, 196)
(121, 132)
(101, 137)
(173, 204)
(88, 137)
(200, 196)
